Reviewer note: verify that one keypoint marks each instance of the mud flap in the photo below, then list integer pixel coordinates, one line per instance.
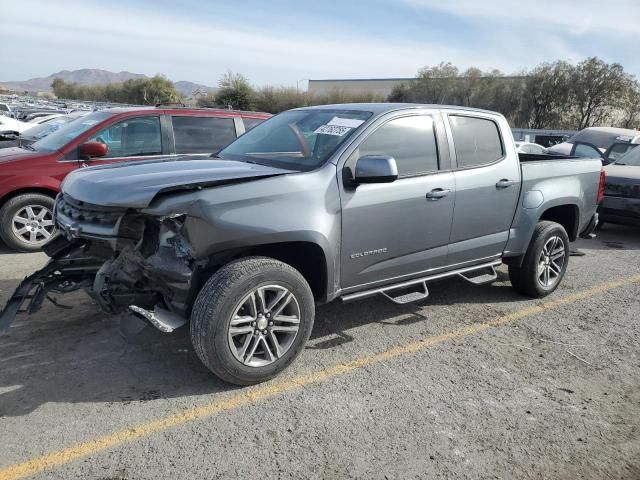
(70, 270)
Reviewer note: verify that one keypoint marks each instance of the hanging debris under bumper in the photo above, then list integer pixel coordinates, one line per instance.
(71, 268)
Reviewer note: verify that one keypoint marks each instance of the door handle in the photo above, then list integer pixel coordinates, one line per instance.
(505, 183)
(437, 193)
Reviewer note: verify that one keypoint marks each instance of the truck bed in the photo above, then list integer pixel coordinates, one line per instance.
(535, 157)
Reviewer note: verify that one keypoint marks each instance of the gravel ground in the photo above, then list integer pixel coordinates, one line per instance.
(475, 382)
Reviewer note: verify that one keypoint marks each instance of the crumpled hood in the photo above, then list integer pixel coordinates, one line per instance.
(135, 184)
(622, 181)
(16, 153)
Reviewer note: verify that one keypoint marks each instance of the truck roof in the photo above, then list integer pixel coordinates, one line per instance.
(171, 109)
(379, 108)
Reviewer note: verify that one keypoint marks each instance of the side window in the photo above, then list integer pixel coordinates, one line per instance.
(202, 134)
(586, 151)
(131, 137)
(250, 123)
(476, 140)
(410, 140)
(618, 150)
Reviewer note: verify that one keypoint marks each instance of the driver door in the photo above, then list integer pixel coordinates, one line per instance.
(395, 231)
(135, 138)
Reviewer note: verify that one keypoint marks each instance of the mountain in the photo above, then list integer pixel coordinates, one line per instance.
(187, 88)
(85, 76)
(92, 76)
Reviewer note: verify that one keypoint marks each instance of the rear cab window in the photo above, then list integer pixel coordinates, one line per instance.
(477, 140)
(202, 134)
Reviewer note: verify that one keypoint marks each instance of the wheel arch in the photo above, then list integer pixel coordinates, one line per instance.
(567, 215)
(307, 257)
(48, 191)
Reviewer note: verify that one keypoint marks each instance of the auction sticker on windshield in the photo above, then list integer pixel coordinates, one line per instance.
(345, 122)
(339, 126)
(332, 130)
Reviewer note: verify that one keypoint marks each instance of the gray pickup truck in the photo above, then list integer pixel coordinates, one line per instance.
(314, 205)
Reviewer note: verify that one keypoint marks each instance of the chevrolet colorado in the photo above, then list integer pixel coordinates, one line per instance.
(315, 204)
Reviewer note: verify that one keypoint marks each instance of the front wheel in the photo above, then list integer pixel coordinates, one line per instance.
(26, 222)
(545, 262)
(251, 319)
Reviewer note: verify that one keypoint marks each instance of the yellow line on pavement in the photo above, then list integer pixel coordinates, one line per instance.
(254, 394)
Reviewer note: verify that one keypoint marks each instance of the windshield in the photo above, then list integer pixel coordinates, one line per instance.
(70, 131)
(299, 140)
(44, 129)
(631, 158)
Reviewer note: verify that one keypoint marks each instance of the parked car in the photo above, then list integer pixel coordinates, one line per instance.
(5, 110)
(611, 143)
(41, 130)
(313, 205)
(46, 118)
(528, 147)
(30, 175)
(621, 203)
(11, 128)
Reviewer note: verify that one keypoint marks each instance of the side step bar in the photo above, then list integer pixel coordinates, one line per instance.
(407, 297)
(487, 277)
(481, 276)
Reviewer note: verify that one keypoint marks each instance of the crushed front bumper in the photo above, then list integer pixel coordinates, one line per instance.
(71, 267)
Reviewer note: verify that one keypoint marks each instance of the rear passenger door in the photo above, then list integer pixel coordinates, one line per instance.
(487, 179)
(202, 135)
(395, 231)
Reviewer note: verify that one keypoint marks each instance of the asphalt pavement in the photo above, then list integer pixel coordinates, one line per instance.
(474, 382)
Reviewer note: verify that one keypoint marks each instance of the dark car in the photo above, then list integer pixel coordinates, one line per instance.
(41, 130)
(608, 142)
(621, 202)
(30, 175)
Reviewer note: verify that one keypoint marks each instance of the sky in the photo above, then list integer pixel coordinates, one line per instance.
(286, 42)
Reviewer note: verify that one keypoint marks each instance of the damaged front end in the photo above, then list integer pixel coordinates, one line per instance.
(124, 259)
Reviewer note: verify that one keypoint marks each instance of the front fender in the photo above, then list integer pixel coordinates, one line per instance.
(12, 185)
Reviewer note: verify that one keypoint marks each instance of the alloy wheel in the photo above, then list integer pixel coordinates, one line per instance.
(551, 261)
(33, 224)
(264, 325)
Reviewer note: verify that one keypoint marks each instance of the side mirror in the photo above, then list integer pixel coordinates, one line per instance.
(89, 150)
(376, 169)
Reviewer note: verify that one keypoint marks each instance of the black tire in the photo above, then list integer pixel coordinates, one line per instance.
(9, 210)
(216, 304)
(525, 278)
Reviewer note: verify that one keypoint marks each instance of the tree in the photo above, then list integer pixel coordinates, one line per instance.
(437, 84)
(402, 93)
(596, 89)
(235, 91)
(547, 94)
(630, 106)
(139, 91)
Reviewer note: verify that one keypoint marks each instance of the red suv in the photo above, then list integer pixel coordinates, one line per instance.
(30, 176)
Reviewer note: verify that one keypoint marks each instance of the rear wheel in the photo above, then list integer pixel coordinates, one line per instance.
(26, 222)
(545, 262)
(252, 319)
